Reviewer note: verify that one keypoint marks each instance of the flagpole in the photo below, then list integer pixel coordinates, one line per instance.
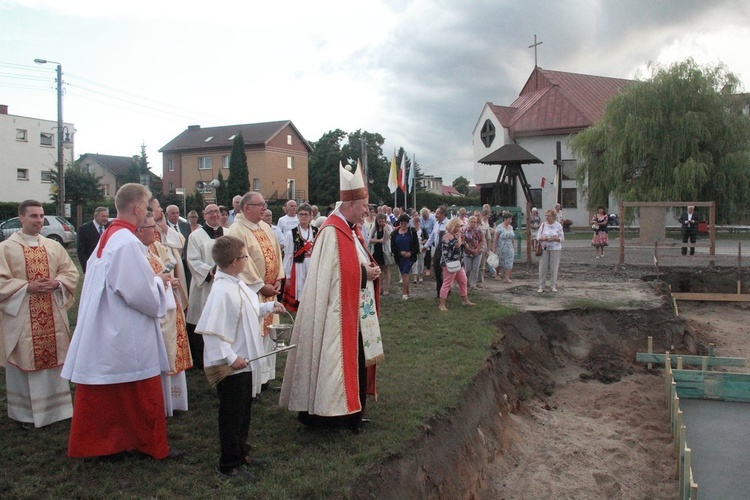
(413, 180)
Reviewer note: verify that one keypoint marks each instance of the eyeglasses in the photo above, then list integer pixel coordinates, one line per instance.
(242, 257)
(147, 227)
(303, 214)
(264, 205)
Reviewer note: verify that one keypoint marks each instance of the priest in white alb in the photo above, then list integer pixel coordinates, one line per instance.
(37, 287)
(329, 374)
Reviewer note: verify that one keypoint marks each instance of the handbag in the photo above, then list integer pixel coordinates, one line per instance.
(493, 260)
(539, 249)
(595, 226)
(453, 266)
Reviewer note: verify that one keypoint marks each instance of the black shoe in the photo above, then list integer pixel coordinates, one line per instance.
(27, 426)
(175, 453)
(239, 473)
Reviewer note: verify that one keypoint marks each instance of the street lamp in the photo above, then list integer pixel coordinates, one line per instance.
(60, 142)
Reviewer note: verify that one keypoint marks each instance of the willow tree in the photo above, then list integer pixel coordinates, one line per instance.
(672, 137)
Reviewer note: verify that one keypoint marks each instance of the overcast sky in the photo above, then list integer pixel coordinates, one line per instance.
(418, 72)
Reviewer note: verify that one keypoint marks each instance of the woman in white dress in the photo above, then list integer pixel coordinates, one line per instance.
(298, 243)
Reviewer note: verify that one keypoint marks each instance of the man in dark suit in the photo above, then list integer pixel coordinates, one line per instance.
(88, 235)
(689, 228)
(183, 227)
(173, 221)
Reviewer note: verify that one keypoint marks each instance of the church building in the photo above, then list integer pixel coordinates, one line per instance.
(551, 108)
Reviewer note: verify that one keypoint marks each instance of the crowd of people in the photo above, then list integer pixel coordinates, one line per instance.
(162, 295)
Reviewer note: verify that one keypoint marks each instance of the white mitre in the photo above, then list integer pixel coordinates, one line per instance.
(351, 184)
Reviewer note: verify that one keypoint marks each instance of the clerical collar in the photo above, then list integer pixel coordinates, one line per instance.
(351, 226)
(213, 233)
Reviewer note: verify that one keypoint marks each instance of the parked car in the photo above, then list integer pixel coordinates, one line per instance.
(55, 228)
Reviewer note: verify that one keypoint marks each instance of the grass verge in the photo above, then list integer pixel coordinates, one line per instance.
(430, 358)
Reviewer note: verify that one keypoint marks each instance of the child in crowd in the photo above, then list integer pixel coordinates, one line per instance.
(230, 328)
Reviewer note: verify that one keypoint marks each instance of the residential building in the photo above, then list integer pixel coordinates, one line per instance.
(551, 107)
(113, 170)
(277, 159)
(431, 184)
(29, 155)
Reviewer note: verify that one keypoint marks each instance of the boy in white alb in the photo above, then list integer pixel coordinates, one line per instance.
(231, 334)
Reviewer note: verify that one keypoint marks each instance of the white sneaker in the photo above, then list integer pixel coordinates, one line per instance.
(405, 297)
(554, 289)
(540, 290)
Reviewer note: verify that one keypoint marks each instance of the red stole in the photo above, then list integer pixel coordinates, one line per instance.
(351, 278)
(116, 225)
(41, 310)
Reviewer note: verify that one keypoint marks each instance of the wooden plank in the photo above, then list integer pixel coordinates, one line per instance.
(688, 376)
(645, 357)
(713, 297)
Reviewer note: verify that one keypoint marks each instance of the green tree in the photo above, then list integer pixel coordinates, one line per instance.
(461, 184)
(222, 193)
(377, 164)
(238, 181)
(81, 186)
(670, 138)
(324, 168)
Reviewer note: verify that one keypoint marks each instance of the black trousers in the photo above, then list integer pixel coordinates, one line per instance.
(353, 421)
(196, 345)
(437, 269)
(689, 234)
(235, 402)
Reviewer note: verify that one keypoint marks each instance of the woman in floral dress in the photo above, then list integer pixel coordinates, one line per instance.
(503, 244)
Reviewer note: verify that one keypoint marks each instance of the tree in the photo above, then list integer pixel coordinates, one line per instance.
(324, 168)
(238, 181)
(461, 184)
(670, 138)
(222, 193)
(81, 186)
(377, 165)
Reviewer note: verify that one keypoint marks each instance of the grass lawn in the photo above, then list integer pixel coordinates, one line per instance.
(430, 359)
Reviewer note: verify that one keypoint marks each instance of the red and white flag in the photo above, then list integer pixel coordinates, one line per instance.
(402, 174)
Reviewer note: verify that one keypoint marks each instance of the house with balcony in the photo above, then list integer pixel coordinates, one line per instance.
(551, 108)
(29, 156)
(277, 159)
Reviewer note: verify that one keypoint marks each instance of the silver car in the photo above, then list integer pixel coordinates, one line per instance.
(55, 228)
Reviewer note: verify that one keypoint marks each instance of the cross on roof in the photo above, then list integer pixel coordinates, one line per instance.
(535, 46)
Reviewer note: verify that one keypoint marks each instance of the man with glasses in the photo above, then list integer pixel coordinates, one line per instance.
(263, 270)
(202, 269)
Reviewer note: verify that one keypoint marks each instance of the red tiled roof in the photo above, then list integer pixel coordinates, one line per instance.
(451, 191)
(554, 102)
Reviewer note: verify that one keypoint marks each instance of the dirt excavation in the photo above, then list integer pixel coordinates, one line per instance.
(562, 409)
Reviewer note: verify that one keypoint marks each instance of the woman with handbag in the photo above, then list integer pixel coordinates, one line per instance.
(550, 236)
(601, 237)
(381, 252)
(450, 260)
(503, 245)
